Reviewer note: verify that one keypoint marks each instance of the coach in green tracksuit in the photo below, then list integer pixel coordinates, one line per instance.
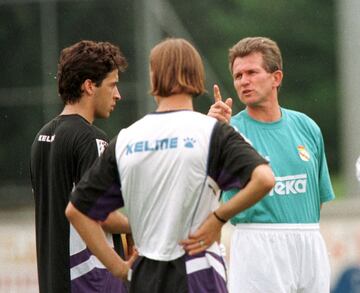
(276, 246)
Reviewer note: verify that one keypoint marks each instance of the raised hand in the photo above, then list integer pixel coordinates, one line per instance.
(220, 110)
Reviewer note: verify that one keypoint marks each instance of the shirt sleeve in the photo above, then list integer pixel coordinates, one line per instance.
(325, 187)
(99, 191)
(231, 158)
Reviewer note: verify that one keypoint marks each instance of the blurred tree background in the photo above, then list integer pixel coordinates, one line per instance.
(32, 33)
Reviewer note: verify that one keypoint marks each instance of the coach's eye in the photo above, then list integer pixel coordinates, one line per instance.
(238, 76)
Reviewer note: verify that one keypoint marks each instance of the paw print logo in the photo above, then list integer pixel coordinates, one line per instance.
(189, 142)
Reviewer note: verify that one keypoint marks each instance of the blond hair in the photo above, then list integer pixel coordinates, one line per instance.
(176, 67)
(268, 48)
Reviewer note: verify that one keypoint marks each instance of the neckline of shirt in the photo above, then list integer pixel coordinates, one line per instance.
(268, 125)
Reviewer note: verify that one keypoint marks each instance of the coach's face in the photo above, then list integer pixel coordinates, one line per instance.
(254, 85)
(106, 95)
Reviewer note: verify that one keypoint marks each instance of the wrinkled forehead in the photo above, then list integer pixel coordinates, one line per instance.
(248, 62)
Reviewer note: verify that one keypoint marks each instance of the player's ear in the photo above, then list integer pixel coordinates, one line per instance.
(278, 76)
(88, 87)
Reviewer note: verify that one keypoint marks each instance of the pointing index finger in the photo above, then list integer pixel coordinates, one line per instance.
(217, 95)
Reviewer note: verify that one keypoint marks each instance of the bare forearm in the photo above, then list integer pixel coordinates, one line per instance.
(116, 222)
(94, 237)
(261, 182)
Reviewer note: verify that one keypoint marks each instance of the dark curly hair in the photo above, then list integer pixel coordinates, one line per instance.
(86, 60)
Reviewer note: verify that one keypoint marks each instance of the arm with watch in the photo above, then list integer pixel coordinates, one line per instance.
(233, 163)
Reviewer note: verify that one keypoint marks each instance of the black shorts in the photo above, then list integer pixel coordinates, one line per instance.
(202, 273)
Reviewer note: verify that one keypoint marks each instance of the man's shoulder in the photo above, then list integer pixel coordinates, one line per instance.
(70, 129)
(98, 132)
(299, 117)
(293, 113)
(239, 117)
(78, 127)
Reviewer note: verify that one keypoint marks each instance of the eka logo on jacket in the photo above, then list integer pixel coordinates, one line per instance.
(290, 185)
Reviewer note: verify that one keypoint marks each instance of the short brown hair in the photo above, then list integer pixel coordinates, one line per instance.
(86, 60)
(176, 67)
(267, 47)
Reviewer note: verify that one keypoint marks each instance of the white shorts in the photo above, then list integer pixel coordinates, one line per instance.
(278, 258)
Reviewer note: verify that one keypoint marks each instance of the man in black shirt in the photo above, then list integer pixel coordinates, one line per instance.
(64, 148)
